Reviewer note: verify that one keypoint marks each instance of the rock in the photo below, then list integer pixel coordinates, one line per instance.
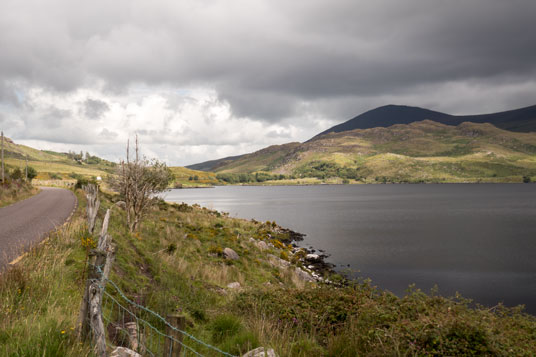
(251, 239)
(303, 275)
(312, 257)
(230, 254)
(261, 352)
(121, 204)
(235, 285)
(124, 352)
(278, 262)
(261, 245)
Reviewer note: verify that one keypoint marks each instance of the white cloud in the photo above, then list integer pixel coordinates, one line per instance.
(181, 126)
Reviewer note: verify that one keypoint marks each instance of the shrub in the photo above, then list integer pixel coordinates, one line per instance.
(228, 331)
(138, 182)
(240, 343)
(16, 174)
(224, 327)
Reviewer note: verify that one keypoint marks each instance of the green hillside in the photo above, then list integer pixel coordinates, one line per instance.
(424, 151)
(67, 167)
(55, 165)
(193, 178)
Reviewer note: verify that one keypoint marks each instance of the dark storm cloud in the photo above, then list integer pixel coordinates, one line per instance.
(267, 57)
(95, 108)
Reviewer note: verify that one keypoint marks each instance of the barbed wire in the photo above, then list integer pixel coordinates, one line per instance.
(158, 317)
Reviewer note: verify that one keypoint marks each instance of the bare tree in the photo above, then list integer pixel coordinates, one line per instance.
(138, 182)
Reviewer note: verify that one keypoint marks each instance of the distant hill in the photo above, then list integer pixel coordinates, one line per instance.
(520, 120)
(51, 165)
(213, 165)
(424, 151)
(55, 165)
(185, 177)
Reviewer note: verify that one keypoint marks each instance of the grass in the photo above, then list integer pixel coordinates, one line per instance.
(175, 265)
(40, 297)
(16, 191)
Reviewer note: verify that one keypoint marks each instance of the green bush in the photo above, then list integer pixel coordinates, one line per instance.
(241, 343)
(228, 331)
(16, 174)
(82, 181)
(224, 327)
(32, 173)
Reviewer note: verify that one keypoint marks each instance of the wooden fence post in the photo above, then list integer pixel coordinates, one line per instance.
(90, 318)
(95, 319)
(93, 204)
(172, 347)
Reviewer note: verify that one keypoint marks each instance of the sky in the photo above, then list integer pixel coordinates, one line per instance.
(202, 79)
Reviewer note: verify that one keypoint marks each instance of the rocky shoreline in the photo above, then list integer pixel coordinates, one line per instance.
(313, 264)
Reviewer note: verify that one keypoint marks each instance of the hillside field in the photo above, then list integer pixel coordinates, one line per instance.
(423, 151)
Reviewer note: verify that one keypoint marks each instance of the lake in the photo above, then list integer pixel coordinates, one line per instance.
(476, 239)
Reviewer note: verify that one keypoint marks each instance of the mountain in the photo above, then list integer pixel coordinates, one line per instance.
(520, 120)
(424, 151)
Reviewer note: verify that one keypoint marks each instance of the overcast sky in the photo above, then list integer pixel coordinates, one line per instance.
(203, 79)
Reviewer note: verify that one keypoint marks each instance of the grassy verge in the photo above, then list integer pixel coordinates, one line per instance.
(16, 191)
(175, 264)
(40, 297)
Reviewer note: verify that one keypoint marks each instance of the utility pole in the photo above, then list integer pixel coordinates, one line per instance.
(3, 178)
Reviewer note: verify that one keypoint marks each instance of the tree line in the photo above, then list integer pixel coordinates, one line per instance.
(252, 177)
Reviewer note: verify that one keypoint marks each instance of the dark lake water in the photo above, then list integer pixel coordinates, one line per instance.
(479, 240)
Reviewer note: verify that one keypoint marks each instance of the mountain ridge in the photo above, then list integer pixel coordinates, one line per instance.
(519, 120)
(425, 151)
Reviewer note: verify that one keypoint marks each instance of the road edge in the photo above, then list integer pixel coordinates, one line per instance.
(44, 240)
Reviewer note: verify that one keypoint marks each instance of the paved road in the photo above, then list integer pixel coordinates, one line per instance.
(27, 222)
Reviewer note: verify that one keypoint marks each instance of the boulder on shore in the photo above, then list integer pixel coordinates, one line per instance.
(303, 275)
(235, 285)
(261, 245)
(312, 257)
(230, 254)
(278, 262)
(261, 352)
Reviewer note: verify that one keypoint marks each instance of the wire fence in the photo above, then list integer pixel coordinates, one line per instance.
(116, 320)
(137, 327)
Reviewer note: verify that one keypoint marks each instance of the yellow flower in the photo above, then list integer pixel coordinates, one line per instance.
(62, 332)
